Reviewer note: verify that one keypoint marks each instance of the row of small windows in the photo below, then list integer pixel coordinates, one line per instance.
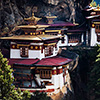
(97, 28)
(74, 38)
(33, 33)
(39, 33)
(24, 52)
(45, 74)
(48, 51)
(23, 78)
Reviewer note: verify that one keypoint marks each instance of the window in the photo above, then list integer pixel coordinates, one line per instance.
(45, 74)
(97, 28)
(22, 77)
(63, 39)
(74, 38)
(98, 37)
(24, 52)
(49, 50)
(46, 51)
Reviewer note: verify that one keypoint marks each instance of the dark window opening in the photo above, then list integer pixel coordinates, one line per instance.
(45, 74)
(24, 51)
(49, 50)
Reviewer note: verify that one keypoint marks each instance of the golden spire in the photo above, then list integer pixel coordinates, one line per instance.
(98, 6)
(33, 19)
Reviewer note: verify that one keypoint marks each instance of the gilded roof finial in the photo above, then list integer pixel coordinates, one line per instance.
(98, 6)
(33, 14)
(33, 19)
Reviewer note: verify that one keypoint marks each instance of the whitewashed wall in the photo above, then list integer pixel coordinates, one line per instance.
(93, 37)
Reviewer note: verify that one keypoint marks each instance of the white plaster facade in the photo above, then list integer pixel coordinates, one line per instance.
(65, 41)
(74, 44)
(57, 80)
(32, 54)
(93, 41)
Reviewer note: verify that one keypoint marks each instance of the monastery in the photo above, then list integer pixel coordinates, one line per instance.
(93, 19)
(39, 58)
(38, 61)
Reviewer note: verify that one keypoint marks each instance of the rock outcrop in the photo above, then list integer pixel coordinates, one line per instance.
(12, 12)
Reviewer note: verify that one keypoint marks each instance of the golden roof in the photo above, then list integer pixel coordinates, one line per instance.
(97, 9)
(31, 37)
(33, 26)
(47, 37)
(96, 22)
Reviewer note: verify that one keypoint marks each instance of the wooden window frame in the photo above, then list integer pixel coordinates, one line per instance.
(45, 74)
(21, 76)
(74, 39)
(24, 51)
(49, 50)
(97, 28)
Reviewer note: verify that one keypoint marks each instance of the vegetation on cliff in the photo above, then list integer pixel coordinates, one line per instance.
(12, 12)
(81, 76)
(94, 78)
(7, 89)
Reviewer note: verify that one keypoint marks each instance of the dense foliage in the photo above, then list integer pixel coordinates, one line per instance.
(94, 79)
(81, 76)
(7, 89)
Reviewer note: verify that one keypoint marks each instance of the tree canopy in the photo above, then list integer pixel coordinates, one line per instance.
(7, 89)
(94, 79)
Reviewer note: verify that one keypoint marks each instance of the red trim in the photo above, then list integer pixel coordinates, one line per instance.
(22, 61)
(54, 72)
(35, 47)
(49, 90)
(31, 47)
(42, 49)
(13, 46)
(59, 71)
(54, 61)
(37, 72)
(55, 45)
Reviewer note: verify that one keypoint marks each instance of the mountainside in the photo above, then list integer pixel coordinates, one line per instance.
(12, 12)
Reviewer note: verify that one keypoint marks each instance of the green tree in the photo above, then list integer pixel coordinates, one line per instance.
(94, 80)
(7, 89)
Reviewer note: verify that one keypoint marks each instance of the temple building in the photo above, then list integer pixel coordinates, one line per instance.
(94, 24)
(38, 62)
(71, 36)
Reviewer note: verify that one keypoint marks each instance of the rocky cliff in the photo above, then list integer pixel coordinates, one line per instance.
(12, 12)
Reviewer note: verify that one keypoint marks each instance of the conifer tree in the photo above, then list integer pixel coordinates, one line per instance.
(94, 83)
(7, 89)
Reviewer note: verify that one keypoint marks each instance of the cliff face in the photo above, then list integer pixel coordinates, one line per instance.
(12, 12)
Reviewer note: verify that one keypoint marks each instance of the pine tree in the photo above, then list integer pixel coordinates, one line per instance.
(7, 89)
(94, 82)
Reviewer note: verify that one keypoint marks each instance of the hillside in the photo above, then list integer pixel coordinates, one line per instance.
(12, 12)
